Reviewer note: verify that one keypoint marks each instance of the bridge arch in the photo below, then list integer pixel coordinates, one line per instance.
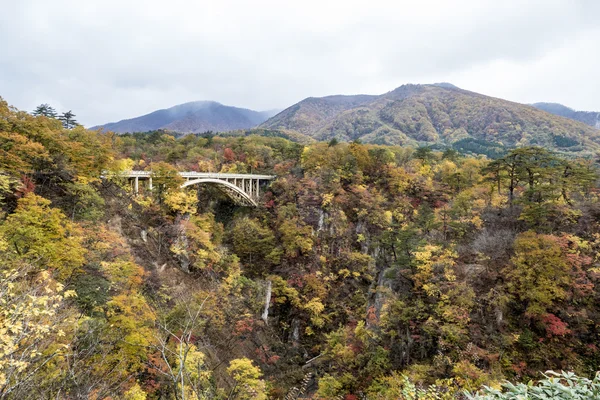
(232, 191)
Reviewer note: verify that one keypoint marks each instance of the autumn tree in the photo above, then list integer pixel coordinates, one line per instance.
(538, 274)
(35, 331)
(165, 178)
(295, 234)
(30, 144)
(253, 243)
(197, 243)
(20, 154)
(248, 384)
(184, 202)
(176, 357)
(128, 319)
(42, 236)
(6, 183)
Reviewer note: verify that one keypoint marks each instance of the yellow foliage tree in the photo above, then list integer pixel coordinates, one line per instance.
(43, 236)
(182, 201)
(248, 384)
(538, 273)
(35, 324)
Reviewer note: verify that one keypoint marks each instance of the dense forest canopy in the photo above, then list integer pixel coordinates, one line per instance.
(368, 271)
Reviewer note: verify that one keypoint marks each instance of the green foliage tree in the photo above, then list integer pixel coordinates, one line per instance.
(44, 110)
(85, 201)
(68, 120)
(397, 386)
(555, 386)
(424, 153)
(254, 244)
(329, 388)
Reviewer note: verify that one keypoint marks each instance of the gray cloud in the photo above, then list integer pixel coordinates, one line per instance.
(113, 59)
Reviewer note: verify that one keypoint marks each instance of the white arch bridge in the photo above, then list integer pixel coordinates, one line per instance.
(243, 189)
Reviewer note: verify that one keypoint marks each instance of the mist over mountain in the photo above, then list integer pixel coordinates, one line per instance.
(591, 118)
(193, 117)
(435, 114)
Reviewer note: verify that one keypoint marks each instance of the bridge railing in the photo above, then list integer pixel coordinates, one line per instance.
(218, 175)
(193, 174)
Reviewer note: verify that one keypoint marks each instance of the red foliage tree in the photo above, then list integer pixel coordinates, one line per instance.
(228, 155)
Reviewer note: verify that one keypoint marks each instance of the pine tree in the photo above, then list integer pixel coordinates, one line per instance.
(68, 120)
(44, 110)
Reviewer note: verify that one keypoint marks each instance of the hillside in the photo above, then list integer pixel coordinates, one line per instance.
(439, 114)
(193, 117)
(591, 118)
(313, 112)
(291, 135)
(365, 272)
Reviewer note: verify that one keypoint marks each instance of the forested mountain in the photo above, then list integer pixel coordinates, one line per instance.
(439, 114)
(591, 118)
(197, 116)
(307, 115)
(367, 271)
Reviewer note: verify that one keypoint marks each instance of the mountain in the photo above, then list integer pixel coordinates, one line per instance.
(306, 116)
(438, 114)
(591, 118)
(197, 116)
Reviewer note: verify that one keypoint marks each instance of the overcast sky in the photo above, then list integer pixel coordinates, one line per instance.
(113, 59)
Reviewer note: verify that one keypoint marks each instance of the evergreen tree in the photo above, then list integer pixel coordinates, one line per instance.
(68, 120)
(46, 110)
(424, 153)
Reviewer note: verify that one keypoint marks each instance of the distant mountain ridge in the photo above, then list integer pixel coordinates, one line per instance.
(591, 118)
(315, 110)
(192, 117)
(435, 114)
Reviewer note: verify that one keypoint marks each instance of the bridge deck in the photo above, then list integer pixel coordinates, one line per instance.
(199, 175)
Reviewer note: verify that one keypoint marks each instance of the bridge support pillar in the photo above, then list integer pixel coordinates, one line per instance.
(243, 189)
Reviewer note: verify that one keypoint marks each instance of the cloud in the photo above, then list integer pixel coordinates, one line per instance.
(108, 60)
